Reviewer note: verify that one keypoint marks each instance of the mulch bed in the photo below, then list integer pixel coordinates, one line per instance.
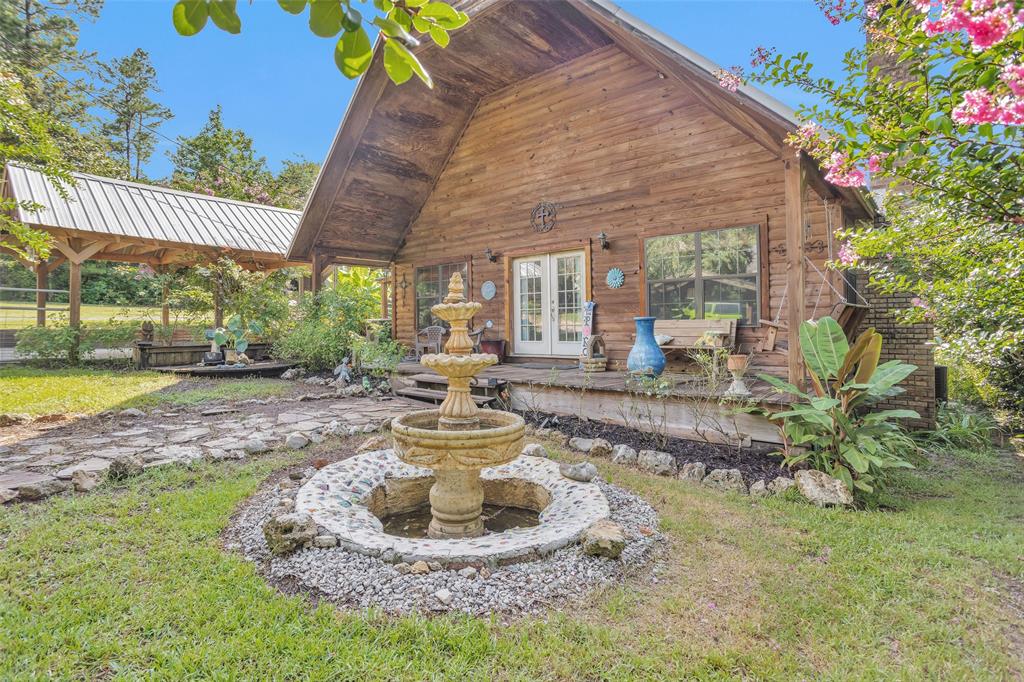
(754, 462)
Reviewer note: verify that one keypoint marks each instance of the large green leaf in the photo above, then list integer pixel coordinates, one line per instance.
(241, 345)
(403, 64)
(869, 361)
(189, 16)
(393, 29)
(353, 53)
(889, 374)
(855, 354)
(782, 386)
(891, 414)
(325, 17)
(292, 6)
(824, 346)
(224, 17)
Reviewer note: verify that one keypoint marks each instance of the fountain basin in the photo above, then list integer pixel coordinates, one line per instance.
(349, 498)
(496, 439)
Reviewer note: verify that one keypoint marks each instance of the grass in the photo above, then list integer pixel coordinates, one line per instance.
(26, 316)
(129, 582)
(88, 391)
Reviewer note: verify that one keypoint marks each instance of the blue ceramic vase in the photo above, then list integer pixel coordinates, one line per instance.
(645, 356)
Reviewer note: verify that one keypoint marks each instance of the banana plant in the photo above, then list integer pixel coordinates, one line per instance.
(832, 427)
(236, 333)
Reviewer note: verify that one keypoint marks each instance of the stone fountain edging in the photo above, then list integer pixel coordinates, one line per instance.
(338, 498)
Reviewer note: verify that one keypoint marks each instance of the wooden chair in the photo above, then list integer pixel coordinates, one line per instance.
(691, 335)
(433, 335)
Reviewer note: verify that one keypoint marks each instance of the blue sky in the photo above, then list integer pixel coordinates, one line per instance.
(277, 81)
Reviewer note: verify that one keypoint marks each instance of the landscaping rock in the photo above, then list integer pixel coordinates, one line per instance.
(325, 541)
(726, 480)
(286, 533)
(583, 472)
(125, 466)
(581, 444)
(381, 442)
(780, 485)
(623, 454)
(93, 465)
(419, 568)
(37, 491)
(469, 572)
(7, 495)
(434, 565)
(403, 568)
(600, 448)
(14, 419)
(84, 480)
(535, 450)
(657, 462)
(296, 441)
(353, 391)
(444, 596)
(293, 373)
(131, 412)
(759, 489)
(822, 490)
(693, 471)
(255, 446)
(603, 538)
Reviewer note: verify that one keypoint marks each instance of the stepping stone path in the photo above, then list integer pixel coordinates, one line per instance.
(46, 461)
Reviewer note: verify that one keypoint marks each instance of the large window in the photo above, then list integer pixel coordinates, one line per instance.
(431, 287)
(712, 275)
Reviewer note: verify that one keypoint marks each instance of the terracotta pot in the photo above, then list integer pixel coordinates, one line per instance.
(737, 363)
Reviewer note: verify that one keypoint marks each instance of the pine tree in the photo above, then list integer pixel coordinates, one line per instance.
(129, 82)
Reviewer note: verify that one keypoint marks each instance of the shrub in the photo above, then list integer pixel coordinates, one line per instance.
(1007, 378)
(959, 428)
(379, 357)
(56, 343)
(833, 428)
(321, 334)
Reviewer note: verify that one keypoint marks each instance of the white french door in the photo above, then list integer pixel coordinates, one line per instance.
(548, 295)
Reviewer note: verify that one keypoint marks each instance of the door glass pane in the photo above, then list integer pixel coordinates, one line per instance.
(531, 304)
(569, 297)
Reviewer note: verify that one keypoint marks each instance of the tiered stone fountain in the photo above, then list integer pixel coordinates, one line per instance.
(465, 457)
(459, 439)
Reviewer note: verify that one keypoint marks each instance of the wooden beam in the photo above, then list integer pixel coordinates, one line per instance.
(318, 270)
(42, 282)
(795, 272)
(834, 221)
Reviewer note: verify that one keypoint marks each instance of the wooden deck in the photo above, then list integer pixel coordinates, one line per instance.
(685, 385)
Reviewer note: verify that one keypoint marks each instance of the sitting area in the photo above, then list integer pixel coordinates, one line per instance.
(690, 335)
(428, 340)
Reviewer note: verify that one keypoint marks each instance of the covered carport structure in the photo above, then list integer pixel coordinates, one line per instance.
(101, 218)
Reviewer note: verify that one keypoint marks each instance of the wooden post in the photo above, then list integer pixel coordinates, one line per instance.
(317, 280)
(795, 275)
(42, 282)
(165, 306)
(383, 296)
(218, 302)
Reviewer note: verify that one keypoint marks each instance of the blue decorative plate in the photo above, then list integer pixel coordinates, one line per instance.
(487, 290)
(615, 278)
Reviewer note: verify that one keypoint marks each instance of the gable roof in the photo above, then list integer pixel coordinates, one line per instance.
(135, 211)
(394, 141)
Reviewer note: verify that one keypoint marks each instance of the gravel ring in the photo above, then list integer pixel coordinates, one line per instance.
(356, 581)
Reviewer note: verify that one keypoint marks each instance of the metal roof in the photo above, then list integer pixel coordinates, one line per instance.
(135, 210)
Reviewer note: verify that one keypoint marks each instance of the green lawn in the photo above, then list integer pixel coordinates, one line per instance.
(89, 391)
(130, 583)
(26, 315)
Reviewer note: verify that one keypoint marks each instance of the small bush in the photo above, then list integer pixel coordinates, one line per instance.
(379, 357)
(56, 343)
(960, 428)
(322, 331)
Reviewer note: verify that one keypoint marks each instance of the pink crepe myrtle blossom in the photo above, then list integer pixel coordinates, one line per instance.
(842, 173)
(761, 55)
(832, 9)
(1013, 76)
(875, 162)
(847, 254)
(872, 10)
(986, 22)
(982, 106)
(730, 78)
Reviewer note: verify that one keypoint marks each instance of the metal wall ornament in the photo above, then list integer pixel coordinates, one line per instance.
(615, 278)
(543, 217)
(488, 290)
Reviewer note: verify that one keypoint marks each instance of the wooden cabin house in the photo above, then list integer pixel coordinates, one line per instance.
(568, 153)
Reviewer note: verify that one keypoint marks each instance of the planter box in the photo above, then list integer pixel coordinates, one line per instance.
(146, 356)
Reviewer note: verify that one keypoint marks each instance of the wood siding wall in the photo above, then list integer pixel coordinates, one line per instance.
(618, 149)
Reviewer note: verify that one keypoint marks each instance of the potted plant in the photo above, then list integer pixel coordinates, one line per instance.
(235, 337)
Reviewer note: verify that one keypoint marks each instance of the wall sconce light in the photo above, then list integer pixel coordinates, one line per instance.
(490, 255)
(603, 238)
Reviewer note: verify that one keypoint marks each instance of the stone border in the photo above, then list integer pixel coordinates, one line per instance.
(338, 499)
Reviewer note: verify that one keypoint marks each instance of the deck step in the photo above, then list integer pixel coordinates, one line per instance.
(438, 380)
(436, 397)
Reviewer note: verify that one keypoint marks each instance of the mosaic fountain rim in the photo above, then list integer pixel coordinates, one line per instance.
(337, 498)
